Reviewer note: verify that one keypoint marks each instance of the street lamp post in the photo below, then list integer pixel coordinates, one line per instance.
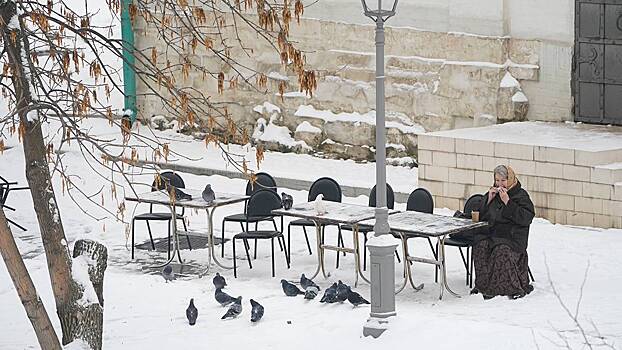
(382, 244)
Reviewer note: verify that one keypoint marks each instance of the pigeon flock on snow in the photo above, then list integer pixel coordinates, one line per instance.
(337, 292)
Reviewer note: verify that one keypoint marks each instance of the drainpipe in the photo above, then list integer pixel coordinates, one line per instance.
(129, 76)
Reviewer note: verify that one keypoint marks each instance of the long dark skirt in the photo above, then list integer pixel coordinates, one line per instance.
(499, 270)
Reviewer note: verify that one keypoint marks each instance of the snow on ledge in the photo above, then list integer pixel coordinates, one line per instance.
(519, 97)
(280, 134)
(267, 107)
(368, 118)
(305, 126)
(509, 81)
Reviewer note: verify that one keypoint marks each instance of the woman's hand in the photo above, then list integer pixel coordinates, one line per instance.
(503, 194)
(492, 192)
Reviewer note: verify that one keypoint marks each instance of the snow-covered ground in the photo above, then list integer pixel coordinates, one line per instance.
(144, 312)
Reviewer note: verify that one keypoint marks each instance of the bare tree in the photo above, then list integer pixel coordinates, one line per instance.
(47, 47)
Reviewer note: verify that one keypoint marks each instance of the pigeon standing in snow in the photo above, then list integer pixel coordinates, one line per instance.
(311, 292)
(168, 274)
(208, 194)
(306, 283)
(342, 291)
(192, 313)
(355, 298)
(330, 294)
(290, 289)
(234, 310)
(219, 281)
(320, 208)
(286, 201)
(256, 311)
(223, 298)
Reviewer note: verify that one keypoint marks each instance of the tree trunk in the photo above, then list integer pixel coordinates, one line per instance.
(74, 321)
(26, 289)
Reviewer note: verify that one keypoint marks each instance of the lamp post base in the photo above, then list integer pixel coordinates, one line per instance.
(375, 326)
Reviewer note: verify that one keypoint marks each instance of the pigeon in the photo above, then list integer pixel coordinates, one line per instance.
(192, 313)
(234, 310)
(256, 311)
(208, 194)
(179, 194)
(330, 295)
(355, 298)
(306, 283)
(223, 298)
(286, 201)
(342, 291)
(219, 281)
(289, 289)
(311, 292)
(320, 208)
(168, 274)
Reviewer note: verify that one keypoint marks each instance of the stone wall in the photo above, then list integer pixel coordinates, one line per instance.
(567, 185)
(436, 80)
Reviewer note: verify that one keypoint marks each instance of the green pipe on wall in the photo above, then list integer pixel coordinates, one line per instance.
(129, 75)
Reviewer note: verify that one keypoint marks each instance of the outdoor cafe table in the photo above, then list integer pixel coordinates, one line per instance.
(336, 213)
(410, 224)
(197, 202)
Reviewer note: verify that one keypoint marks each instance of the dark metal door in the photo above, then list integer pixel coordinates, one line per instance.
(598, 61)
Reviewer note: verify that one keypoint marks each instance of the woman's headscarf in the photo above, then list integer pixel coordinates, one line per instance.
(506, 171)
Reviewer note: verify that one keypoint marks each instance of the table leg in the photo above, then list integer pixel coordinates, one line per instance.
(357, 256)
(320, 258)
(210, 244)
(406, 264)
(173, 224)
(443, 268)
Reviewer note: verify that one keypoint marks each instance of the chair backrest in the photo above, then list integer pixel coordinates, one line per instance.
(326, 186)
(262, 202)
(262, 181)
(390, 197)
(167, 178)
(420, 200)
(473, 203)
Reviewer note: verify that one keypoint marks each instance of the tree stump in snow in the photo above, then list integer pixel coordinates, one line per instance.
(98, 253)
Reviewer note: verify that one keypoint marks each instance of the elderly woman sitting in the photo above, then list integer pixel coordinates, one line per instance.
(500, 255)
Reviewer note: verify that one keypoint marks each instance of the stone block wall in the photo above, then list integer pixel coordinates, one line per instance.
(567, 186)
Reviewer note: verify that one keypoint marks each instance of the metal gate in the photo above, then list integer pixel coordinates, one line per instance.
(598, 61)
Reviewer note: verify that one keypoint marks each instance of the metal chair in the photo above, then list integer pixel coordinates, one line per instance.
(161, 182)
(465, 241)
(366, 229)
(331, 191)
(5, 189)
(421, 200)
(260, 205)
(262, 181)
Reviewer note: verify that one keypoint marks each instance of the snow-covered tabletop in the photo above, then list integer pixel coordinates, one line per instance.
(161, 197)
(431, 225)
(336, 213)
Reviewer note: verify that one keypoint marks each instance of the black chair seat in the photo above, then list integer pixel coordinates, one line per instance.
(241, 217)
(156, 216)
(362, 228)
(458, 242)
(257, 234)
(303, 222)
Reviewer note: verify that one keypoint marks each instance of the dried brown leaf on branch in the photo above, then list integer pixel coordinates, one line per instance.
(221, 82)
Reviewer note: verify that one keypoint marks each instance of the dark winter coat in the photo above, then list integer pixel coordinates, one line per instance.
(508, 224)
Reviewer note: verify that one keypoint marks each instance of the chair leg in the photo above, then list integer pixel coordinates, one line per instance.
(277, 229)
(248, 257)
(341, 238)
(465, 262)
(150, 235)
(397, 255)
(255, 252)
(235, 267)
(435, 254)
(187, 237)
(286, 252)
(272, 246)
(289, 242)
(168, 240)
(339, 241)
(530, 274)
(365, 251)
(133, 222)
(304, 229)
